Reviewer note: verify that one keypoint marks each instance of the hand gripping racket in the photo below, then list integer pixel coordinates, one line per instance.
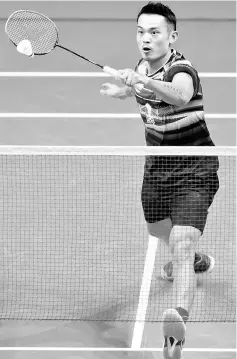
(35, 34)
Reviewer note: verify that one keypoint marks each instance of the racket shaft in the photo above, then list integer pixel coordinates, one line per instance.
(109, 70)
(82, 57)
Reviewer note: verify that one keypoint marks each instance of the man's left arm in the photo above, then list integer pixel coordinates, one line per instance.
(178, 92)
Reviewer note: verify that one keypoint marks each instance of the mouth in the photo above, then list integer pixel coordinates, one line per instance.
(146, 49)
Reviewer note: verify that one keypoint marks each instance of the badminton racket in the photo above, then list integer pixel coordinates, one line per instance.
(35, 34)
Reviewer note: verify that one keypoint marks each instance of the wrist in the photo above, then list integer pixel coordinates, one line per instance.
(145, 80)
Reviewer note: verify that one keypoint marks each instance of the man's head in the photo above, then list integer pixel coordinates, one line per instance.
(156, 30)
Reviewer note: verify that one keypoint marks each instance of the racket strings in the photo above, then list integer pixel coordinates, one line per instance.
(35, 27)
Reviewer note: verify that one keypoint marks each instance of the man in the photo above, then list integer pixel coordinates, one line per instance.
(177, 191)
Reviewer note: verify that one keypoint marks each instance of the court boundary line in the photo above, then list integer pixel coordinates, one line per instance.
(81, 349)
(80, 115)
(144, 292)
(98, 74)
(118, 150)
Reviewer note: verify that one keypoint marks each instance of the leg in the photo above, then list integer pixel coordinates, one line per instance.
(183, 242)
(188, 216)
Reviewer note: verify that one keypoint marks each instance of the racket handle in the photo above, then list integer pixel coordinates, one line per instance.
(114, 73)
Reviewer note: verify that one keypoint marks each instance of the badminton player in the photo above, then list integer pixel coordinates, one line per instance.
(176, 191)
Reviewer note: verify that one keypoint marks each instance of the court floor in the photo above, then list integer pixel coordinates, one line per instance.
(112, 335)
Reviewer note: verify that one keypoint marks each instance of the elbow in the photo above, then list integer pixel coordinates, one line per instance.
(183, 100)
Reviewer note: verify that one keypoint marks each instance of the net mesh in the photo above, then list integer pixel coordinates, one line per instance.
(35, 27)
(73, 240)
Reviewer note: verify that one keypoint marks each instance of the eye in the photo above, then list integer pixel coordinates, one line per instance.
(155, 32)
(140, 32)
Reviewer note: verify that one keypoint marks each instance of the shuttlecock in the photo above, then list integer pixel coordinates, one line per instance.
(25, 47)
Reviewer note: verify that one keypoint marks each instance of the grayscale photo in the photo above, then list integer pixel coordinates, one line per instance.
(118, 179)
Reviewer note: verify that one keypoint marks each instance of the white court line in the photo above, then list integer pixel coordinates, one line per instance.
(81, 349)
(144, 293)
(96, 115)
(100, 74)
(118, 150)
(139, 151)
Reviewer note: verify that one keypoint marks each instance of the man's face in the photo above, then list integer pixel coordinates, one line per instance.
(153, 36)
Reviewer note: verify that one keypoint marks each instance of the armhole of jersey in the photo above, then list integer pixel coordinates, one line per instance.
(138, 64)
(176, 68)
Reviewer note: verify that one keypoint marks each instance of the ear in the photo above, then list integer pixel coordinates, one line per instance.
(173, 36)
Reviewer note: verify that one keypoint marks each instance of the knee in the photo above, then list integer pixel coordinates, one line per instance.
(154, 230)
(183, 241)
(160, 229)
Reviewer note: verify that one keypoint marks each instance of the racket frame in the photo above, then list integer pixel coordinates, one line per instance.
(43, 16)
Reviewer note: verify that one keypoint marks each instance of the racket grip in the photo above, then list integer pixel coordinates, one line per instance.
(114, 73)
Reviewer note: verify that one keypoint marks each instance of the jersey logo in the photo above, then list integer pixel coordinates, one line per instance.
(149, 114)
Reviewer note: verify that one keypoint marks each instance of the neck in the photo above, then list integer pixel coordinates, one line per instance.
(155, 65)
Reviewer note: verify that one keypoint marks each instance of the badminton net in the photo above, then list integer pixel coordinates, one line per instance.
(73, 239)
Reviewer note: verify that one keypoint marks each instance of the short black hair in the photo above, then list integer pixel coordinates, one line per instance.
(159, 9)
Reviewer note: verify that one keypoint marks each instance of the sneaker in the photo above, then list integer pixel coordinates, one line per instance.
(174, 330)
(177, 350)
(202, 264)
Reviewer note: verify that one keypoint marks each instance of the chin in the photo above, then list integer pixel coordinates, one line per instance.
(147, 57)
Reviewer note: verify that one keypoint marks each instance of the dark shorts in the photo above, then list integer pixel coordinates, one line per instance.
(182, 194)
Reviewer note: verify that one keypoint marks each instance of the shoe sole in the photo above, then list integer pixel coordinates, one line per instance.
(177, 353)
(166, 353)
(171, 279)
(173, 326)
(165, 276)
(212, 265)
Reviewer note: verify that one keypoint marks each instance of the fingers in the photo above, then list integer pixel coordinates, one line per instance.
(109, 89)
(104, 89)
(103, 93)
(130, 77)
(126, 76)
(106, 85)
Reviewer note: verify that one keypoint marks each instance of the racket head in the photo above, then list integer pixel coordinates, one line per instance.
(35, 27)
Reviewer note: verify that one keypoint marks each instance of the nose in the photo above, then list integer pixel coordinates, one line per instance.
(146, 38)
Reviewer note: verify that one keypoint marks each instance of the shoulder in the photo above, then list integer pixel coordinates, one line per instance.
(180, 64)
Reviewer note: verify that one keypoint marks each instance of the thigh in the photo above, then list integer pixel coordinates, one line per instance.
(156, 201)
(192, 198)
